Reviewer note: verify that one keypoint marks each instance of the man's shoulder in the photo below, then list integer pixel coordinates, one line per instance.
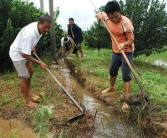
(126, 18)
(128, 23)
(29, 30)
(76, 26)
(31, 25)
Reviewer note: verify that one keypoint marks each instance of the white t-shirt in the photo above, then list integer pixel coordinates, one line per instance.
(25, 41)
(64, 42)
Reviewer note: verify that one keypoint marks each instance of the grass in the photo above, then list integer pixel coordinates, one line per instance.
(41, 120)
(96, 65)
(42, 84)
(14, 134)
(153, 57)
(10, 90)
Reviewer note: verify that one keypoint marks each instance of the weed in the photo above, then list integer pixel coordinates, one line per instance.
(14, 134)
(18, 103)
(41, 120)
(5, 99)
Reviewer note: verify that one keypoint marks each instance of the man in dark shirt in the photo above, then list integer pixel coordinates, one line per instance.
(75, 32)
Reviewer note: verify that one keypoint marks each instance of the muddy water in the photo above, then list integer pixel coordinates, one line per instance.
(13, 129)
(108, 124)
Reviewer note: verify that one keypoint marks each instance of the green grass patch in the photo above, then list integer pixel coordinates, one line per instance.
(156, 56)
(96, 65)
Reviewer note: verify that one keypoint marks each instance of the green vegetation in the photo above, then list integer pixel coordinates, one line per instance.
(41, 120)
(96, 64)
(5, 99)
(9, 85)
(38, 118)
(149, 18)
(14, 134)
(15, 14)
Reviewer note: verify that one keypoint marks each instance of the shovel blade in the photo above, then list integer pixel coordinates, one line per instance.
(71, 120)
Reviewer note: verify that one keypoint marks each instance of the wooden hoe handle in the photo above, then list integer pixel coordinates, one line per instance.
(125, 57)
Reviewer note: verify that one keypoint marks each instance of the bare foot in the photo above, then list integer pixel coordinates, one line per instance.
(30, 103)
(125, 106)
(82, 58)
(108, 90)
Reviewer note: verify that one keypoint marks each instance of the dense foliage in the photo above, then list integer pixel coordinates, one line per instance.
(15, 14)
(149, 18)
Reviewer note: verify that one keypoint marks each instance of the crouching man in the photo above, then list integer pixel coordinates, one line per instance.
(21, 50)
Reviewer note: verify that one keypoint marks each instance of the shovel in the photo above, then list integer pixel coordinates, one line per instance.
(143, 96)
(66, 92)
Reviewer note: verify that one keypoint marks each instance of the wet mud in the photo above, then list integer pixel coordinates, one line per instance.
(99, 120)
(153, 125)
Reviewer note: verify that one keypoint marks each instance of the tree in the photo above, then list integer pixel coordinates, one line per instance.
(5, 6)
(15, 14)
(97, 36)
(6, 39)
(150, 19)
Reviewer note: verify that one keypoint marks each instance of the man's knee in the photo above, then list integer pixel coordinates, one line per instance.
(113, 73)
(126, 78)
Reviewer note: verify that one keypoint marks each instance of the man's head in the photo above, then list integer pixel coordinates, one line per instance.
(112, 10)
(71, 21)
(44, 23)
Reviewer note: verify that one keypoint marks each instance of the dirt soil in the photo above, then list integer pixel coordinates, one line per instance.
(153, 120)
(11, 107)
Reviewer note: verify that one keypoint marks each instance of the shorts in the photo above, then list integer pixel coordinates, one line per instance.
(21, 68)
(118, 60)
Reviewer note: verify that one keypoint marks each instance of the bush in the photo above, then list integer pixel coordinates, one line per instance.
(6, 40)
(149, 18)
(16, 14)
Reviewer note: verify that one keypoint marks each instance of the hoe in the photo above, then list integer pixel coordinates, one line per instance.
(68, 95)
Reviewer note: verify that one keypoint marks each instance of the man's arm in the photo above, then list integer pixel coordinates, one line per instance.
(103, 16)
(130, 39)
(30, 58)
(33, 50)
(127, 43)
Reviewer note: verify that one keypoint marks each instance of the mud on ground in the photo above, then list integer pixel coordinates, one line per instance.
(12, 107)
(154, 120)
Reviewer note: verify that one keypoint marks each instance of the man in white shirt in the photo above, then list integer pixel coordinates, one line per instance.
(65, 45)
(20, 53)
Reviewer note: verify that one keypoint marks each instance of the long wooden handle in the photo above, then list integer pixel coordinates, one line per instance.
(60, 85)
(72, 41)
(125, 57)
